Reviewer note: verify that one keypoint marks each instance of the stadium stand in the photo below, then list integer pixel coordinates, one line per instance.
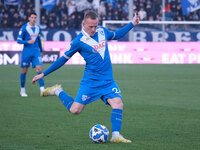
(67, 14)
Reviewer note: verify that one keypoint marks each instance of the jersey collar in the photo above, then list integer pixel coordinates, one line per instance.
(86, 34)
(30, 25)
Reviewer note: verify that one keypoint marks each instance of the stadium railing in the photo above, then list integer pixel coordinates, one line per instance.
(161, 26)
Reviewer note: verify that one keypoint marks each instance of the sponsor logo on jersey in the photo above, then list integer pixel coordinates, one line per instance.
(33, 36)
(98, 47)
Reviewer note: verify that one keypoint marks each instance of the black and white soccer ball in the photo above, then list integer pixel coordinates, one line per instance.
(99, 133)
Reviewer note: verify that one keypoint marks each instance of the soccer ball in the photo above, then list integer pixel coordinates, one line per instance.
(99, 133)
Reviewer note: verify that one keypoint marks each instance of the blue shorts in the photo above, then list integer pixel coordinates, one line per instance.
(103, 90)
(34, 58)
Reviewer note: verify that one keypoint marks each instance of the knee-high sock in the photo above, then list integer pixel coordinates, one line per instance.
(41, 81)
(22, 80)
(116, 119)
(66, 100)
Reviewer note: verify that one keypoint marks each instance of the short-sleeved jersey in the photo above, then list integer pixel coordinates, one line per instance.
(94, 50)
(27, 33)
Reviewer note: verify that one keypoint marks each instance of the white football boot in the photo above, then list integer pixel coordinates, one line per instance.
(23, 92)
(41, 90)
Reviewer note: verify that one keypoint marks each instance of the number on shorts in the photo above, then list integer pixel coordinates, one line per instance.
(115, 90)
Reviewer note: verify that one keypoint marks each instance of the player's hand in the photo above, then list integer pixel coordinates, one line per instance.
(31, 42)
(37, 77)
(136, 19)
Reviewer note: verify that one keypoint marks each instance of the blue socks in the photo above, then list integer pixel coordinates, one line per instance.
(116, 115)
(41, 81)
(66, 100)
(22, 80)
(116, 120)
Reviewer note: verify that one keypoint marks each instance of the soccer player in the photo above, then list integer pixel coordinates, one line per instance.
(97, 82)
(29, 35)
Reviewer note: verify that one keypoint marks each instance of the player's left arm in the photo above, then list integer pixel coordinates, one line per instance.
(123, 31)
(40, 42)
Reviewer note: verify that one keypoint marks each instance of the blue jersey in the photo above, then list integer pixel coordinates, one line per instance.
(98, 79)
(27, 33)
(94, 50)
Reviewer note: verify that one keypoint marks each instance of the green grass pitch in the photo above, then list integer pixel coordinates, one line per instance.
(161, 110)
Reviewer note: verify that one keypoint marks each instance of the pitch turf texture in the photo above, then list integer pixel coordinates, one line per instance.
(161, 110)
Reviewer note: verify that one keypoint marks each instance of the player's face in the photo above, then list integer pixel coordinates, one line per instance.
(32, 19)
(90, 26)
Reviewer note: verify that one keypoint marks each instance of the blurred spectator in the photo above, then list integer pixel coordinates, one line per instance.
(167, 6)
(43, 22)
(17, 20)
(68, 14)
(72, 22)
(173, 7)
(109, 9)
(149, 9)
(52, 25)
(111, 2)
(143, 14)
(2, 13)
(102, 9)
(21, 13)
(115, 15)
(102, 17)
(64, 25)
(125, 8)
(169, 15)
(109, 16)
(179, 11)
(95, 4)
(158, 17)
(151, 18)
(57, 23)
(71, 7)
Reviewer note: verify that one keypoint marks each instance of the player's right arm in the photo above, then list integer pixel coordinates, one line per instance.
(20, 37)
(59, 62)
